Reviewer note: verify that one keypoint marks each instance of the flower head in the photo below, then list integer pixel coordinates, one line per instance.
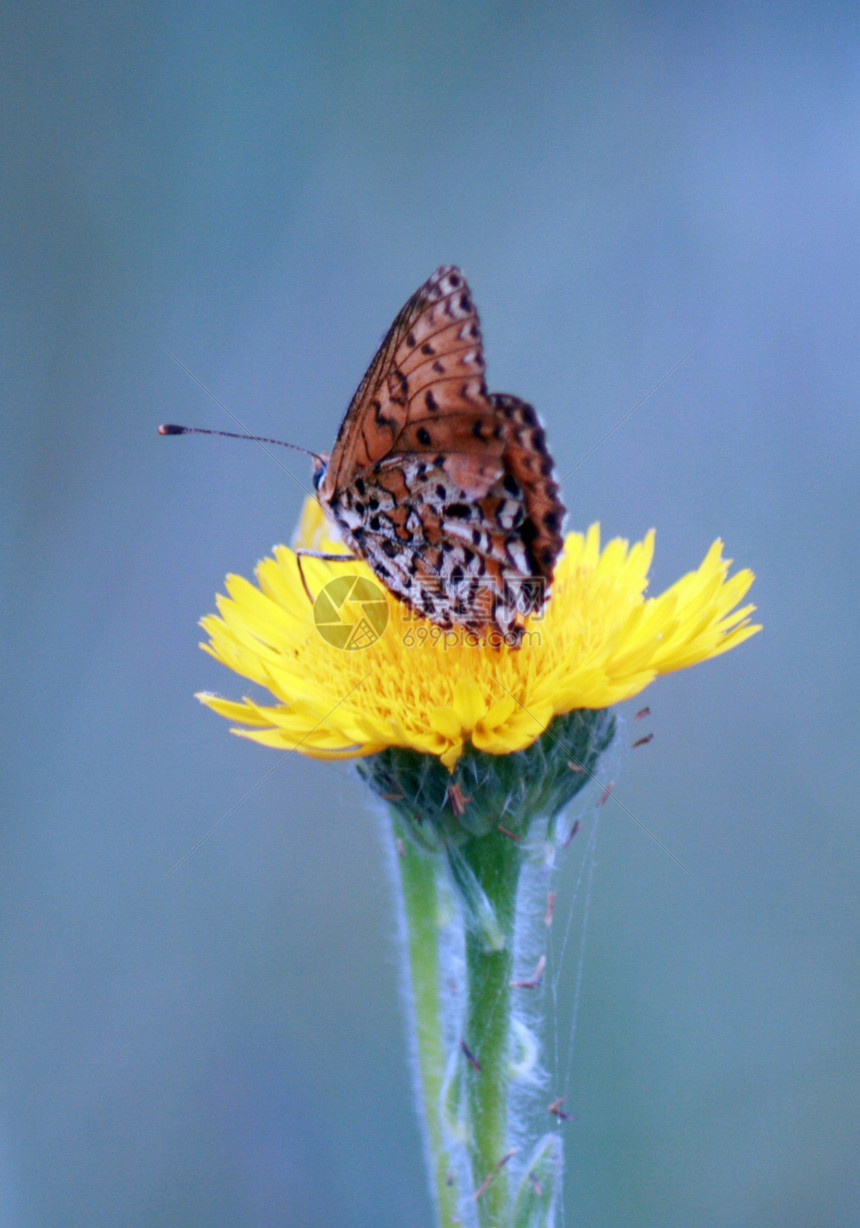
(414, 685)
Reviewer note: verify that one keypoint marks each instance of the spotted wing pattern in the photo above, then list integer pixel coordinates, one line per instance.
(446, 490)
(424, 389)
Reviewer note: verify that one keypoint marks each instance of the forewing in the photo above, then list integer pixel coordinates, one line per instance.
(424, 392)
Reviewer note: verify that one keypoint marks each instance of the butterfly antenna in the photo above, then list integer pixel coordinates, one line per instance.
(170, 428)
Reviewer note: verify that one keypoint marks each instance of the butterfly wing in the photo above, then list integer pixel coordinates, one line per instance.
(483, 563)
(446, 490)
(424, 390)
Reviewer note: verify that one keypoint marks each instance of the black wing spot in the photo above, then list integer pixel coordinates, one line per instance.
(438, 368)
(466, 302)
(398, 385)
(460, 511)
(478, 429)
(551, 521)
(511, 484)
(410, 340)
(441, 492)
(528, 414)
(381, 418)
(454, 281)
(424, 436)
(427, 348)
(430, 401)
(359, 486)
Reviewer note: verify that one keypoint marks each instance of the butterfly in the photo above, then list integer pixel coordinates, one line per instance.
(445, 489)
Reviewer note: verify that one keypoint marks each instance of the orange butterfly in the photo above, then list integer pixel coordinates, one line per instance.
(445, 489)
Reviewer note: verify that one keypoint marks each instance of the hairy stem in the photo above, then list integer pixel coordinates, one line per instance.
(494, 860)
(419, 875)
(458, 922)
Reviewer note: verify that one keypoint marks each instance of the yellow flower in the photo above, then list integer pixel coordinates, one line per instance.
(600, 641)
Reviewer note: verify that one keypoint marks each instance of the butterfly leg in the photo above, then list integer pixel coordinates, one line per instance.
(318, 554)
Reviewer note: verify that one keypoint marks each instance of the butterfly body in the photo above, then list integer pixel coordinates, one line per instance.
(444, 488)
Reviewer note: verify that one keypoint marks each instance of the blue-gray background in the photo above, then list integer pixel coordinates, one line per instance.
(256, 188)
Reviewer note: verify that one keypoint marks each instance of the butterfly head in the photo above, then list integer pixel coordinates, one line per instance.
(320, 469)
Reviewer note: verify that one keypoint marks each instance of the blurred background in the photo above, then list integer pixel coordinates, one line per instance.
(229, 203)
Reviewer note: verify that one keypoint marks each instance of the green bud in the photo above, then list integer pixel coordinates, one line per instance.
(485, 792)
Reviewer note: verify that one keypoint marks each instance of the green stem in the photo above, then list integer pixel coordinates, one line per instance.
(495, 861)
(475, 1042)
(422, 908)
(463, 897)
